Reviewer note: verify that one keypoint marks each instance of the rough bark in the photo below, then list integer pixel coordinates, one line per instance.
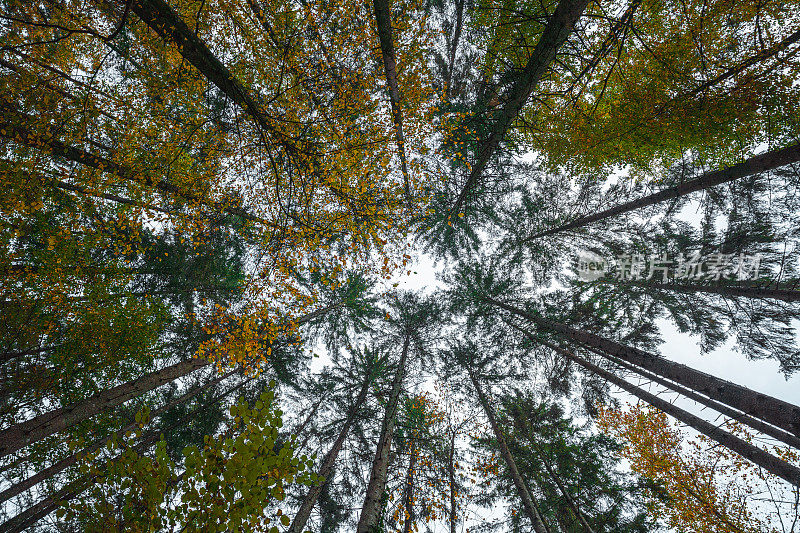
(558, 28)
(371, 511)
(65, 463)
(752, 453)
(754, 423)
(44, 425)
(519, 483)
(302, 515)
(756, 164)
(767, 408)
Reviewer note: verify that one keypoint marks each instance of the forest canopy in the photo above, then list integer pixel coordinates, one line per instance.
(209, 207)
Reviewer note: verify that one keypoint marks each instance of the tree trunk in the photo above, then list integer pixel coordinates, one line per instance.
(61, 465)
(13, 127)
(453, 48)
(371, 511)
(41, 509)
(558, 28)
(563, 490)
(787, 295)
(769, 409)
(754, 423)
(383, 20)
(167, 23)
(301, 517)
(408, 519)
(759, 57)
(9, 355)
(451, 472)
(519, 483)
(44, 425)
(754, 165)
(752, 453)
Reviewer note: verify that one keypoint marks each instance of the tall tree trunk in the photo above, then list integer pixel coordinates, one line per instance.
(44, 507)
(756, 164)
(44, 425)
(371, 511)
(408, 498)
(752, 453)
(448, 82)
(65, 463)
(107, 196)
(744, 291)
(9, 355)
(167, 23)
(300, 429)
(451, 473)
(14, 126)
(754, 423)
(558, 28)
(383, 20)
(522, 489)
(301, 517)
(563, 490)
(757, 58)
(769, 409)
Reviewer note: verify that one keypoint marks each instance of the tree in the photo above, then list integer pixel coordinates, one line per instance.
(572, 469)
(229, 483)
(694, 474)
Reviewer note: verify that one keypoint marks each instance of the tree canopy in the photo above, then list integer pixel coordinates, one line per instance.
(214, 212)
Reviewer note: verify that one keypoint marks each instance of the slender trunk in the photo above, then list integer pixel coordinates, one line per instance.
(744, 291)
(43, 508)
(107, 196)
(13, 126)
(61, 465)
(767, 408)
(754, 423)
(44, 425)
(371, 511)
(383, 20)
(301, 517)
(453, 47)
(452, 479)
(9, 355)
(167, 23)
(559, 27)
(311, 414)
(519, 483)
(752, 453)
(756, 164)
(563, 490)
(408, 497)
(761, 56)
